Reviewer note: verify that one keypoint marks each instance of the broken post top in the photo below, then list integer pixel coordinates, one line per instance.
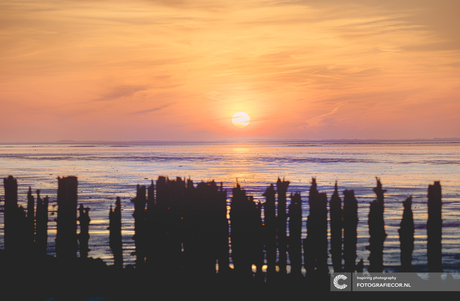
(377, 206)
(434, 191)
(11, 190)
(69, 183)
(10, 179)
(407, 203)
(378, 190)
(349, 193)
(71, 179)
(296, 198)
(282, 186)
(84, 214)
(350, 204)
(238, 191)
(67, 192)
(335, 202)
(270, 191)
(313, 183)
(336, 190)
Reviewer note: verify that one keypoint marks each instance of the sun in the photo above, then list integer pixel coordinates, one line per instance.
(240, 119)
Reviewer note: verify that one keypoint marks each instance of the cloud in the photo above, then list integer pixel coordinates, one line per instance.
(315, 121)
(121, 91)
(153, 110)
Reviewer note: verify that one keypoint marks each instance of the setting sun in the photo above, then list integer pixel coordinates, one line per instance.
(240, 119)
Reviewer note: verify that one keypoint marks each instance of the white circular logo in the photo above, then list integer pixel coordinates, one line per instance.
(336, 282)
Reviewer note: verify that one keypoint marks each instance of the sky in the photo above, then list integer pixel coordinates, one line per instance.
(179, 70)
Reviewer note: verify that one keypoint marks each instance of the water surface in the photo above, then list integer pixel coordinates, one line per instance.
(107, 171)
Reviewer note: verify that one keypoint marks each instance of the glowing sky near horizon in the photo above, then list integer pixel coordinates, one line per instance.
(179, 70)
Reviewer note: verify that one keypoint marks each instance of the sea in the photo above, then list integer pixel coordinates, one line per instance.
(108, 170)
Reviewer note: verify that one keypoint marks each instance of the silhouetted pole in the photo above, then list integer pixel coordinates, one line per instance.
(376, 230)
(139, 226)
(434, 228)
(115, 239)
(190, 227)
(30, 219)
(16, 235)
(66, 237)
(167, 226)
(41, 239)
(83, 237)
(309, 241)
(150, 199)
(203, 229)
(11, 214)
(222, 232)
(281, 188)
(150, 226)
(336, 229)
(176, 189)
(258, 241)
(317, 231)
(406, 236)
(350, 224)
(242, 213)
(23, 243)
(270, 229)
(159, 226)
(295, 230)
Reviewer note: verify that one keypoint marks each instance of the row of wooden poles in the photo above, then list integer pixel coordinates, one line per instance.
(180, 227)
(26, 230)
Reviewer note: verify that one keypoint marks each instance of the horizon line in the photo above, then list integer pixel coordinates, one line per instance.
(350, 140)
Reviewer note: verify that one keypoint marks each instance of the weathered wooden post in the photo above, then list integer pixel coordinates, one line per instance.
(350, 224)
(150, 240)
(258, 242)
(115, 238)
(406, 236)
(281, 188)
(30, 219)
(139, 226)
(242, 223)
(376, 230)
(66, 237)
(295, 230)
(158, 226)
(316, 242)
(83, 237)
(434, 228)
(336, 216)
(41, 240)
(270, 229)
(222, 232)
(11, 214)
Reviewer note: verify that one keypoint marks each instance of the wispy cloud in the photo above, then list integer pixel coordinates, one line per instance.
(153, 109)
(315, 121)
(121, 91)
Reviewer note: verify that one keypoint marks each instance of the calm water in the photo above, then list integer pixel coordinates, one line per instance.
(107, 171)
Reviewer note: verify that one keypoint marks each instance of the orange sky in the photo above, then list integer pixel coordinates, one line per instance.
(179, 70)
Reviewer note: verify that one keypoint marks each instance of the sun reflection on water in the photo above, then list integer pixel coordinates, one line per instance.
(105, 172)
